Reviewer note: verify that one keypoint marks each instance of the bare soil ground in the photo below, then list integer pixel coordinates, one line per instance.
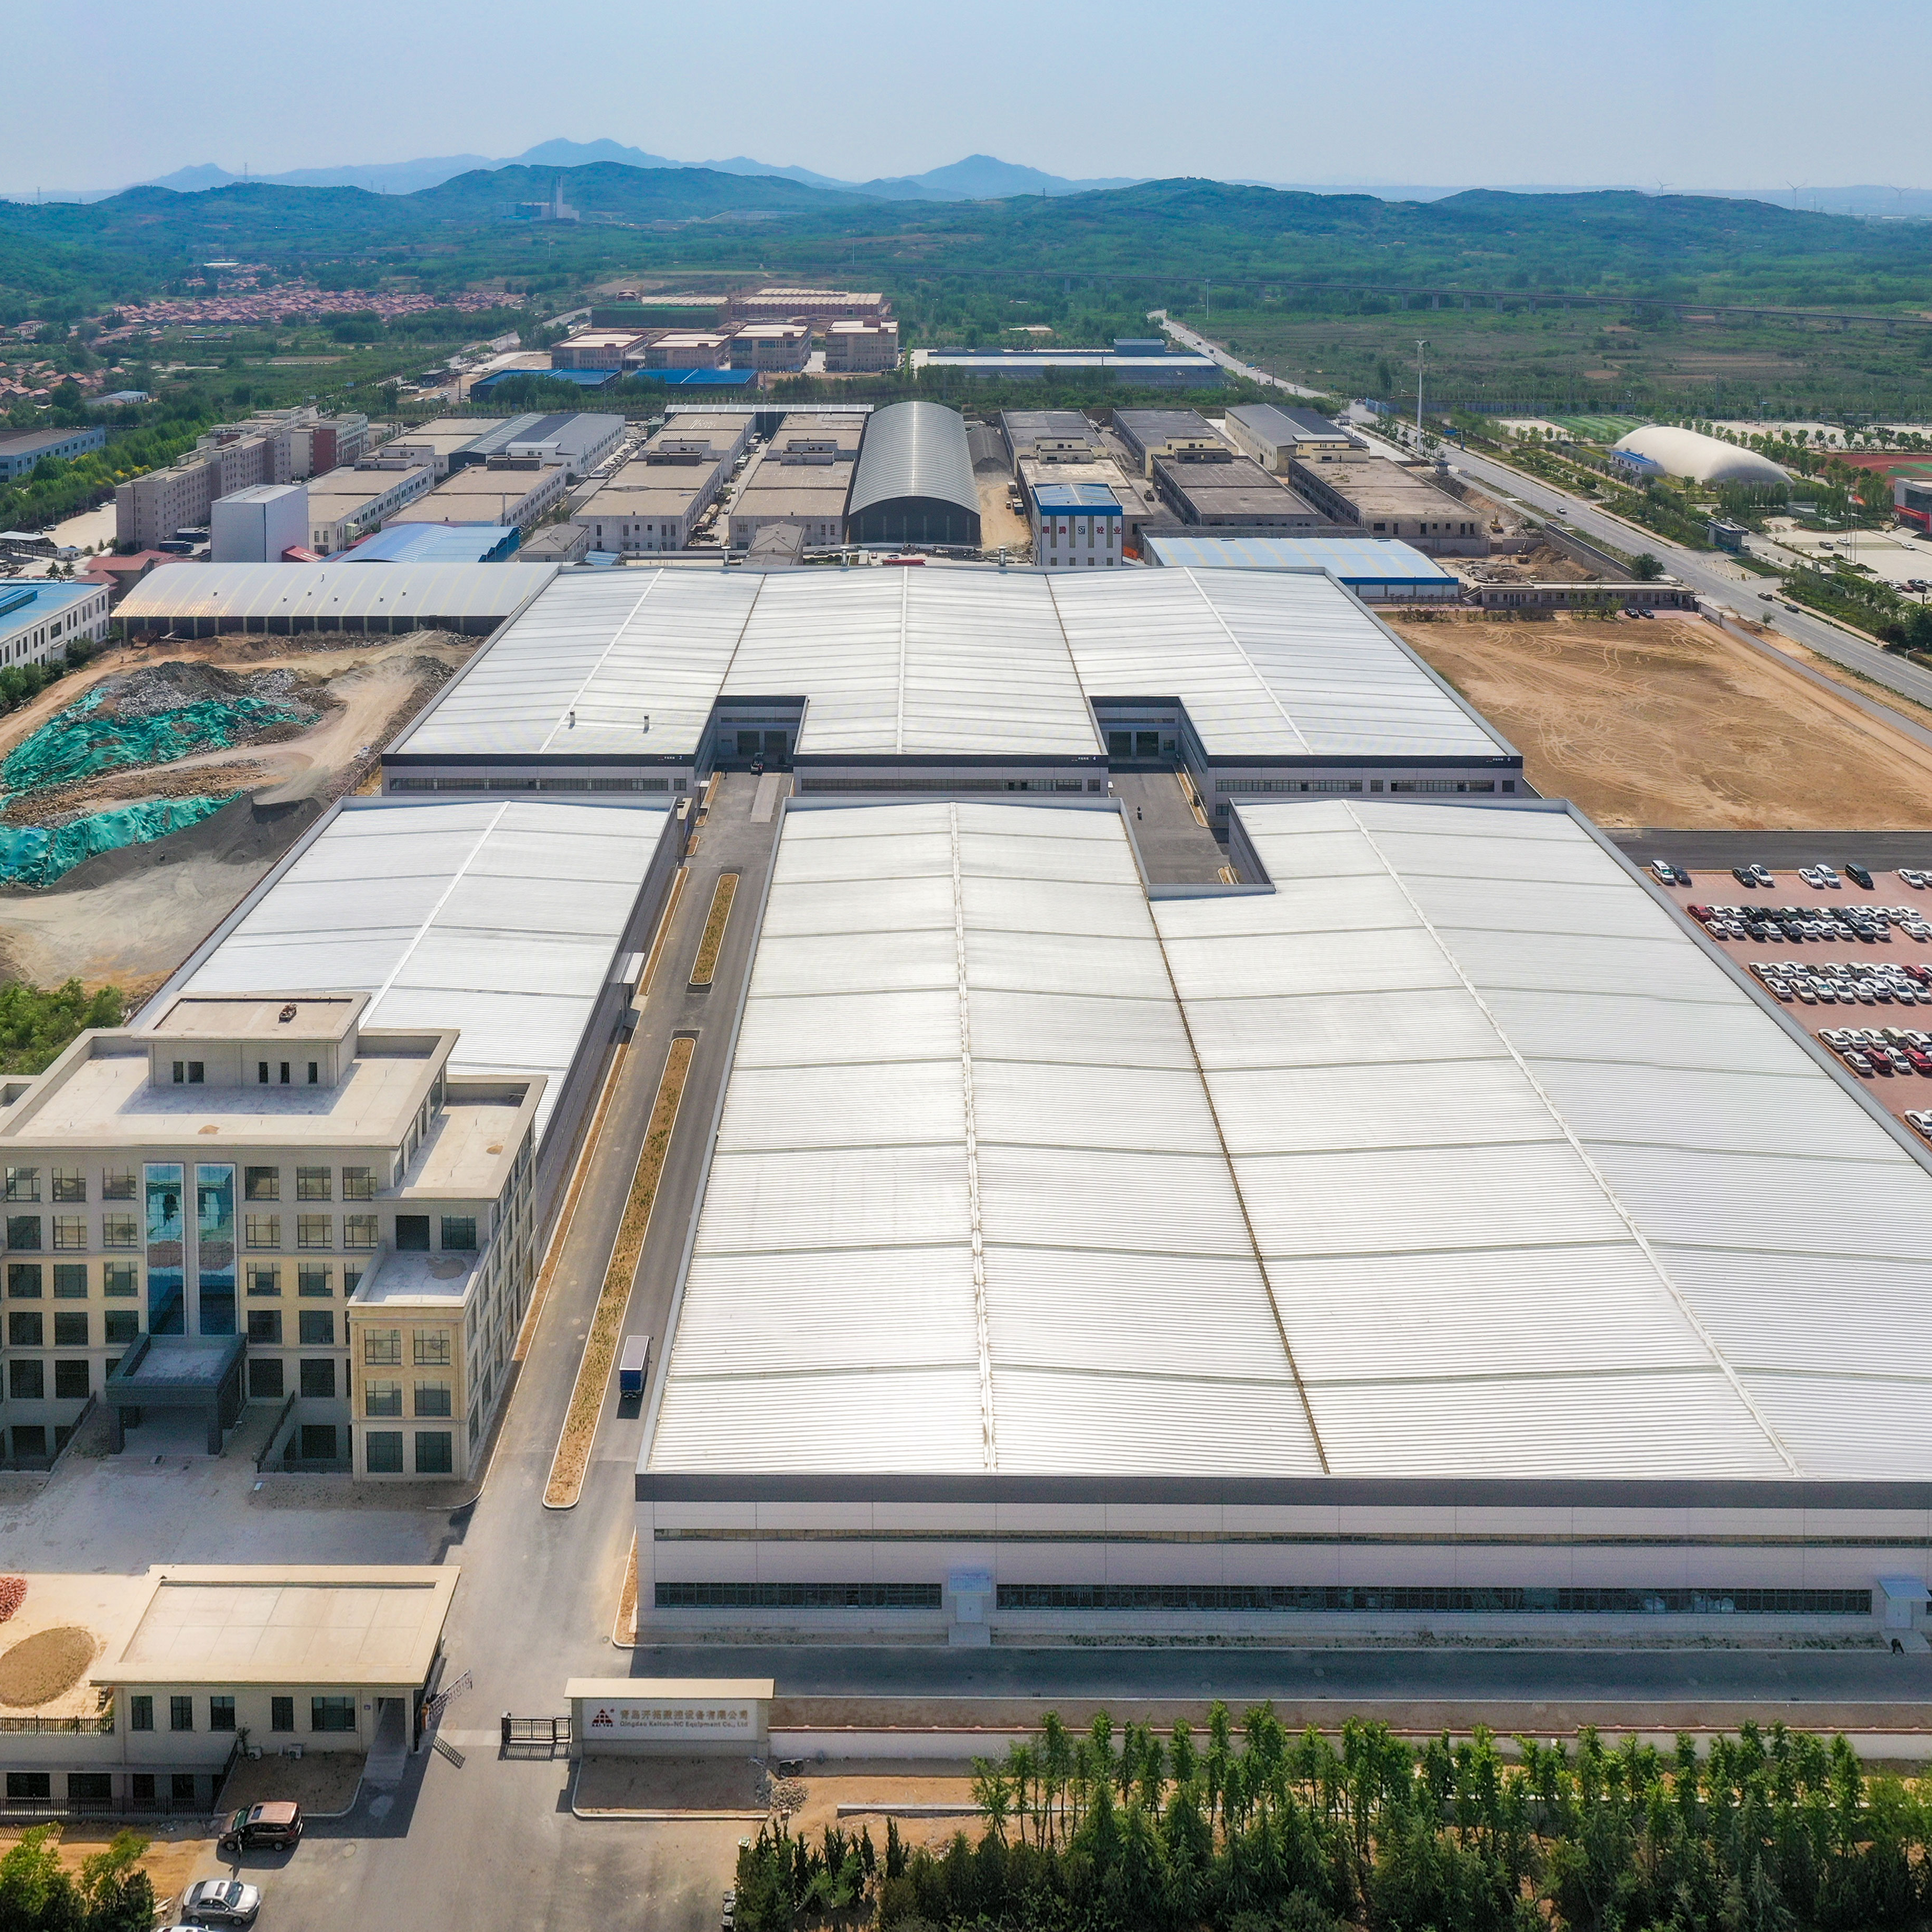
(1673, 722)
(47, 1665)
(999, 523)
(174, 1851)
(130, 917)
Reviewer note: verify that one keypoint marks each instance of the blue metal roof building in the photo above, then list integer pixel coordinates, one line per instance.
(744, 379)
(1378, 570)
(1083, 499)
(582, 379)
(437, 543)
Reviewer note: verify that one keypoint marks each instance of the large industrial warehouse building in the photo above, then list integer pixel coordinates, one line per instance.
(1419, 1227)
(973, 680)
(1435, 1235)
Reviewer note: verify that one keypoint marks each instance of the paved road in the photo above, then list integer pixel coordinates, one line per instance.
(1706, 574)
(1783, 851)
(494, 1844)
(1228, 361)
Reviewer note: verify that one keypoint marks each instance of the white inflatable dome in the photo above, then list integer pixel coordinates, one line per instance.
(1684, 452)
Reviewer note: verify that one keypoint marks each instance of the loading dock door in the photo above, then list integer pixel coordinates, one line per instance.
(775, 747)
(1120, 744)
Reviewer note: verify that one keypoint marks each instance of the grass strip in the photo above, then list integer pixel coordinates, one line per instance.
(600, 1346)
(716, 921)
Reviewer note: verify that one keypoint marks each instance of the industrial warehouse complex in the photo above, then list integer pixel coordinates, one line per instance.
(1402, 1217)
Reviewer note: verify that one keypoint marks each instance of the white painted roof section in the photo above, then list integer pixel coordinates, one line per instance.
(967, 1209)
(906, 662)
(1537, 1189)
(1542, 1190)
(322, 593)
(501, 920)
(1269, 664)
(616, 648)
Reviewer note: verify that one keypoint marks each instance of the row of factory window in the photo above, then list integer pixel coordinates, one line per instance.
(26, 1234)
(194, 1072)
(325, 1714)
(66, 1186)
(27, 1281)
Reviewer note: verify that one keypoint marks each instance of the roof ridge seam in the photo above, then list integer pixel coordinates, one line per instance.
(1227, 1158)
(456, 878)
(1582, 1153)
(989, 1440)
(604, 657)
(1255, 670)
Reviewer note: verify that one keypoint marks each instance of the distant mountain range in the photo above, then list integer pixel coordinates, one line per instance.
(978, 178)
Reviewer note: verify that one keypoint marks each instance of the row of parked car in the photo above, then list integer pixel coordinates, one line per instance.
(1867, 1050)
(1840, 984)
(1870, 924)
(1819, 878)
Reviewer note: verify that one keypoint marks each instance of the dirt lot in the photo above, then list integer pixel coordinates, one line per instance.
(130, 917)
(999, 523)
(1669, 721)
(174, 1850)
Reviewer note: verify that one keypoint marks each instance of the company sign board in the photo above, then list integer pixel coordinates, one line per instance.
(670, 1714)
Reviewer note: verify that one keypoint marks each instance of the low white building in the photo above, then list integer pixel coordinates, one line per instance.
(40, 617)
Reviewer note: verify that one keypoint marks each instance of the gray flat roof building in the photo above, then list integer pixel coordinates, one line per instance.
(1275, 436)
(1150, 432)
(1386, 500)
(1050, 435)
(1228, 491)
(802, 477)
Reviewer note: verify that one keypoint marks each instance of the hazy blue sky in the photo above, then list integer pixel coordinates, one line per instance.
(1709, 93)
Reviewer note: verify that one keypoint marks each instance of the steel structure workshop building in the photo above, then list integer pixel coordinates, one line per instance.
(972, 679)
(913, 484)
(1435, 1233)
(279, 600)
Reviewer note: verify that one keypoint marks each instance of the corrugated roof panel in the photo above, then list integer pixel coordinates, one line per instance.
(1562, 1264)
(1494, 1312)
(1151, 1424)
(1642, 1427)
(500, 919)
(866, 1312)
(1765, 1316)
(877, 1419)
(425, 593)
(1850, 1427)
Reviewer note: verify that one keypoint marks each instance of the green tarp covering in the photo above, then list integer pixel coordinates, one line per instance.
(82, 739)
(36, 855)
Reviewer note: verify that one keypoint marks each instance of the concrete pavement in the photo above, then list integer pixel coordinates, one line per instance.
(493, 1843)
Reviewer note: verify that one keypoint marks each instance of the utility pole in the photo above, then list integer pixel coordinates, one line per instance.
(1419, 347)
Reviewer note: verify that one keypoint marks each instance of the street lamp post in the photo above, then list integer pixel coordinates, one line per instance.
(1419, 347)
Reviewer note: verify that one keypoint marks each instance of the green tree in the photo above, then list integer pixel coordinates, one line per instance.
(1645, 568)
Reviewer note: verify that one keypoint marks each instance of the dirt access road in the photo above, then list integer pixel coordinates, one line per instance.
(1672, 721)
(131, 917)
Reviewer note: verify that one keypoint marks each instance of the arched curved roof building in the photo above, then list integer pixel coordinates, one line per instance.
(1703, 459)
(914, 483)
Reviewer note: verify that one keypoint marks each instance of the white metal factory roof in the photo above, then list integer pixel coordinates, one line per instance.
(1537, 1189)
(501, 920)
(966, 1209)
(893, 662)
(604, 663)
(429, 593)
(1268, 664)
(965, 661)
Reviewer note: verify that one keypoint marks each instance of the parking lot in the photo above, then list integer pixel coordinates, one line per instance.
(1851, 963)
